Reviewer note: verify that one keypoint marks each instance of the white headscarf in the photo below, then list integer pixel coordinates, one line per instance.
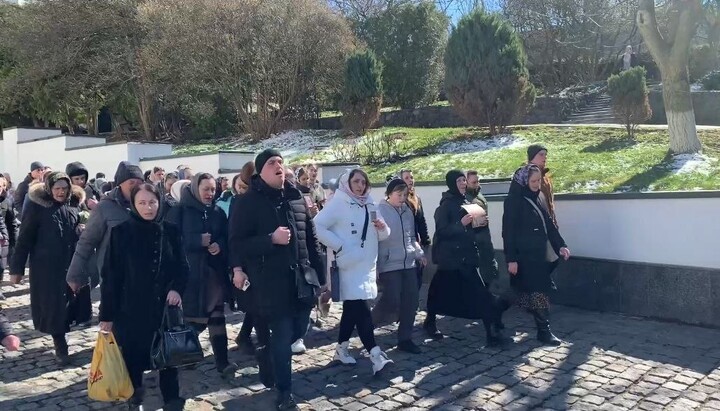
(344, 186)
(177, 187)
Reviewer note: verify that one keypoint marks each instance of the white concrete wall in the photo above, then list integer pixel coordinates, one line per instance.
(51, 152)
(209, 163)
(11, 163)
(82, 141)
(103, 158)
(234, 161)
(675, 231)
(137, 151)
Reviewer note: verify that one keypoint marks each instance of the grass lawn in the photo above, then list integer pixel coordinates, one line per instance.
(582, 159)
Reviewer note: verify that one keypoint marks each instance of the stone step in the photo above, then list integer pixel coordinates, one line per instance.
(583, 118)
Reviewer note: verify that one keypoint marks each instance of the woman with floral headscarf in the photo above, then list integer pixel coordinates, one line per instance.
(48, 235)
(533, 247)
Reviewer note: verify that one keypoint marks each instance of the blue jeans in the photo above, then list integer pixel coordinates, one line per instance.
(285, 331)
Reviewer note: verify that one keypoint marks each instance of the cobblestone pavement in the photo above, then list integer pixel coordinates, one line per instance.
(609, 362)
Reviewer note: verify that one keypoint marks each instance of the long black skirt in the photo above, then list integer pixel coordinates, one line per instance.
(461, 294)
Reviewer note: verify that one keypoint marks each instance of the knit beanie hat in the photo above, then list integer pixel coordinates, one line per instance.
(393, 184)
(126, 171)
(534, 149)
(263, 157)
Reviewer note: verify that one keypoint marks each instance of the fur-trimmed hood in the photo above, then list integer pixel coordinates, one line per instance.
(38, 195)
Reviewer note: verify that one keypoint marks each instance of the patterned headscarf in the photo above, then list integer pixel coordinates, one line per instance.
(522, 175)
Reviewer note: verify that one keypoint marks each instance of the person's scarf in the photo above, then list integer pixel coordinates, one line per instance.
(522, 177)
(363, 199)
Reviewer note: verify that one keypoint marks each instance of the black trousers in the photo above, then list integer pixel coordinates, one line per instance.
(356, 314)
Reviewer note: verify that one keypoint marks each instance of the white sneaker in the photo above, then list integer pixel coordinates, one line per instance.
(379, 359)
(298, 347)
(342, 354)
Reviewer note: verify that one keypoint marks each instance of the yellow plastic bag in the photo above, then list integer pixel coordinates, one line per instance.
(109, 379)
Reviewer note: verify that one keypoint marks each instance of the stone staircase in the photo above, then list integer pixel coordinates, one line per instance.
(598, 112)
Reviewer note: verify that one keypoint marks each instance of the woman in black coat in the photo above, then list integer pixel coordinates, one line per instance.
(144, 268)
(204, 232)
(48, 234)
(457, 289)
(532, 245)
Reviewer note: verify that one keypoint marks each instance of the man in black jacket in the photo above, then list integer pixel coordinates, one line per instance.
(272, 239)
(36, 172)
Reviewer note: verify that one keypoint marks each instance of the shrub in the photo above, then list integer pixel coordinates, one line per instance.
(362, 92)
(703, 59)
(486, 77)
(409, 41)
(629, 94)
(711, 81)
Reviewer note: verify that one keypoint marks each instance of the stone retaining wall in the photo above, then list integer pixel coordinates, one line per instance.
(547, 109)
(705, 103)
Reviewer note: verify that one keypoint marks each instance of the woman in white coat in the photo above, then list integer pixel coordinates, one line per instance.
(351, 227)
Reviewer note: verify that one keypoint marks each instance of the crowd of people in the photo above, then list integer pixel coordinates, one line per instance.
(274, 244)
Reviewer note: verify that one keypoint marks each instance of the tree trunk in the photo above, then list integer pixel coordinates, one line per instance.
(671, 54)
(679, 111)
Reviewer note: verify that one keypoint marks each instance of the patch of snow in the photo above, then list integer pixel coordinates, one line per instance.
(295, 142)
(587, 187)
(693, 163)
(696, 87)
(623, 189)
(499, 142)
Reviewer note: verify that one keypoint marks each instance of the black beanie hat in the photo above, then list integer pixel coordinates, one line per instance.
(76, 169)
(263, 157)
(36, 165)
(534, 149)
(126, 171)
(393, 184)
(451, 180)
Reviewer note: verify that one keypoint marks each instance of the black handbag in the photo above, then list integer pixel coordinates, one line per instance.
(175, 344)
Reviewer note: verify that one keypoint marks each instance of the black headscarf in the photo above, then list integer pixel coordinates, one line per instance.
(451, 181)
(136, 214)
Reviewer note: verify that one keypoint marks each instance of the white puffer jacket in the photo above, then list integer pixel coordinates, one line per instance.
(340, 225)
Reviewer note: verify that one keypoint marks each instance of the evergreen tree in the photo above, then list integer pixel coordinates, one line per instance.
(363, 91)
(629, 94)
(409, 40)
(486, 78)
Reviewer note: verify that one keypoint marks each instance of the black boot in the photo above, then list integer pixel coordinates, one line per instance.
(219, 345)
(135, 402)
(61, 349)
(286, 401)
(245, 344)
(542, 320)
(430, 327)
(265, 366)
(495, 337)
(178, 404)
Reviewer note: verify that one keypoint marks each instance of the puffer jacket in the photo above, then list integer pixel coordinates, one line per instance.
(339, 226)
(400, 251)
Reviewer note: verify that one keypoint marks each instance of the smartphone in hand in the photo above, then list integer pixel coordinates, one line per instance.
(373, 215)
